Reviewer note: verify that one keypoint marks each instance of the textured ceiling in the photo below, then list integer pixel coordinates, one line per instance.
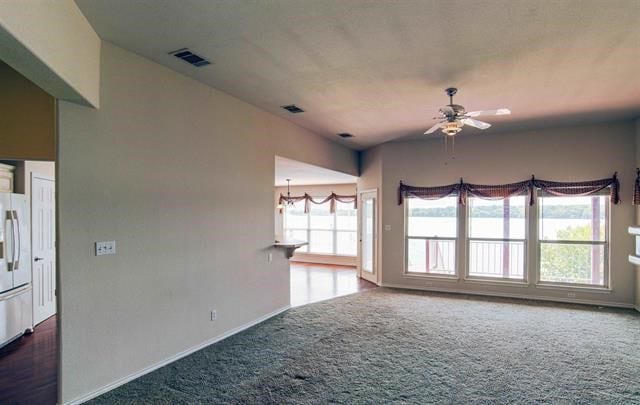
(377, 69)
(302, 174)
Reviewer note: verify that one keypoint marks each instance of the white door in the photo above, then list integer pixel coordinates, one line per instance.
(368, 236)
(43, 236)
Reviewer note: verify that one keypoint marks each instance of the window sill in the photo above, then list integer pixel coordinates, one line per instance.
(442, 277)
(497, 281)
(563, 287)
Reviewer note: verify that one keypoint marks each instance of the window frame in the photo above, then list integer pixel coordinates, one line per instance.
(456, 272)
(334, 232)
(532, 250)
(525, 241)
(606, 275)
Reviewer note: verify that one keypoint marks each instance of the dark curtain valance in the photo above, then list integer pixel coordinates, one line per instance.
(500, 191)
(496, 192)
(332, 198)
(428, 193)
(636, 189)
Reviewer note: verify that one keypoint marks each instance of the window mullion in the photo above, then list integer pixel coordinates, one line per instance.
(335, 233)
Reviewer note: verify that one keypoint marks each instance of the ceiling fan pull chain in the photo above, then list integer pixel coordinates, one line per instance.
(453, 147)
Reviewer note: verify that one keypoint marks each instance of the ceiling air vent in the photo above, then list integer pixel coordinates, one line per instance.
(190, 57)
(345, 135)
(293, 109)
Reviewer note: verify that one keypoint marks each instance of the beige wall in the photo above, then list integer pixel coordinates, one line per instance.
(27, 118)
(181, 177)
(52, 44)
(319, 191)
(564, 154)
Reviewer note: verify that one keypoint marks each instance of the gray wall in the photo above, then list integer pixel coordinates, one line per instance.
(564, 154)
(181, 177)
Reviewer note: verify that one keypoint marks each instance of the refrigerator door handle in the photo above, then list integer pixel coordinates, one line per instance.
(16, 241)
(9, 217)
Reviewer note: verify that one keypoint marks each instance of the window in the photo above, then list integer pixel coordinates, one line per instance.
(431, 235)
(326, 232)
(296, 224)
(496, 238)
(573, 239)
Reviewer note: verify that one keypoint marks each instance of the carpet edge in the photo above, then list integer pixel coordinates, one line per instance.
(171, 359)
(518, 296)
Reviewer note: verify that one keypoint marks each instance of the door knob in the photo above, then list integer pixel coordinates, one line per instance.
(37, 259)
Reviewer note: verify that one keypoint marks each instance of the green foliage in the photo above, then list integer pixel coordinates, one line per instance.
(495, 211)
(568, 263)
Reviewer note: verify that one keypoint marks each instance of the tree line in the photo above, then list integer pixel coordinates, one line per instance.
(494, 211)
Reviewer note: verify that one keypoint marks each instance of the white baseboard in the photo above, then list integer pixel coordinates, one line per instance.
(519, 296)
(173, 358)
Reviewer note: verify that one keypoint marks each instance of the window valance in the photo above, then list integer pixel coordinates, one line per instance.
(331, 199)
(500, 191)
(636, 188)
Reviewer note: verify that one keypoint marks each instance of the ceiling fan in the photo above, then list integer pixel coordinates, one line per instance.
(453, 116)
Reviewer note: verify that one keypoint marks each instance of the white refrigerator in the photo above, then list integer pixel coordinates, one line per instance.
(16, 315)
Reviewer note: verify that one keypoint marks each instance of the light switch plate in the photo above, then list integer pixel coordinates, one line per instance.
(106, 248)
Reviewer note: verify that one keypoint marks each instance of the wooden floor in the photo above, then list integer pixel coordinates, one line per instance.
(317, 282)
(29, 367)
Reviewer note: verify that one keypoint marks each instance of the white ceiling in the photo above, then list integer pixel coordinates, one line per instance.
(303, 174)
(377, 69)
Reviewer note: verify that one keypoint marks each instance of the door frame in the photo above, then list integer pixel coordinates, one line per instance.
(375, 276)
(55, 261)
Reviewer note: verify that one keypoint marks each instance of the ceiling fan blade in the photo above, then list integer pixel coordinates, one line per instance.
(433, 128)
(475, 123)
(499, 111)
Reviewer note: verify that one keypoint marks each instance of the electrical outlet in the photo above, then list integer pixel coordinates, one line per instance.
(387, 227)
(428, 284)
(571, 295)
(106, 248)
(214, 315)
(269, 257)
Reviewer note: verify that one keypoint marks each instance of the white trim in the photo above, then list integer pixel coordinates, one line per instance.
(375, 275)
(171, 359)
(509, 295)
(497, 281)
(451, 278)
(41, 177)
(574, 287)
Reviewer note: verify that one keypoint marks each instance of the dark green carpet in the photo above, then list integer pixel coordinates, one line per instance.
(391, 346)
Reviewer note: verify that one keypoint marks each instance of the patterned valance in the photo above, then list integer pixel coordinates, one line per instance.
(428, 193)
(636, 188)
(496, 192)
(500, 191)
(332, 198)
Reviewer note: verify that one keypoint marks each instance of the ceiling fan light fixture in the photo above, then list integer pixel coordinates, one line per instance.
(454, 116)
(451, 128)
